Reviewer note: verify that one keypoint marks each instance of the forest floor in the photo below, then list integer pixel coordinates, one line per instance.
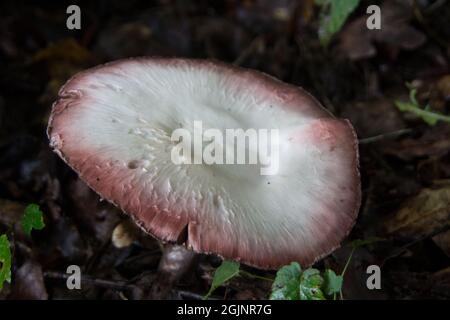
(404, 158)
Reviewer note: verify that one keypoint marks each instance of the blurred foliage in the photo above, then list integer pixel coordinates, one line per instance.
(425, 113)
(5, 260)
(293, 283)
(32, 219)
(333, 16)
(226, 271)
(359, 77)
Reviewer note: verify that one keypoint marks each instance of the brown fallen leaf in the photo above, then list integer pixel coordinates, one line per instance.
(357, 41)
(440, 94)
(434, 168)
(63, 58)
(439, 284)
(442, 240)
(28, 283)
(67, 49)
(373, 117)
(422, 216)
(96, 217)
(434, 141)
(10, 212)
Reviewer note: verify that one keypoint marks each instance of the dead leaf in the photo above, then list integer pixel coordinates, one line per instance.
(28, 283)
(98, 218)
(373, 117)
(439, 284)
(442, 240)
(67, 49)
(440, 94)
(10, 212)
(433, 142)
(64, 58)
(357, 41)
(421, 216)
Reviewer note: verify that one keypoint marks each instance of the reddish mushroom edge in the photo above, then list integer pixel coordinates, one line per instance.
(111, 181)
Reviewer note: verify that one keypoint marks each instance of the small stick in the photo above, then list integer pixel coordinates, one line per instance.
(111, 284)
(384, 136)
(191, 295)
(248, 50)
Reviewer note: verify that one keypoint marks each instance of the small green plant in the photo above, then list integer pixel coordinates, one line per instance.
(332, 283)
(226, 271)
(430, 117)
(32, 219)
(5, 260)
(293, 283)
(333, 15)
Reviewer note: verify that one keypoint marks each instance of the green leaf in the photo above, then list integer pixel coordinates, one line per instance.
(5, 260)
(287, 282)
(365, 242)
(333, 15)
(226, 271)
(332, 283)
(310, 283)
(32, 219)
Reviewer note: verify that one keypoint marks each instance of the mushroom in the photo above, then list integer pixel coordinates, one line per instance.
(113, 125)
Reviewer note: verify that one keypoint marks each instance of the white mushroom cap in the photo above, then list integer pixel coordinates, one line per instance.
(112, 124)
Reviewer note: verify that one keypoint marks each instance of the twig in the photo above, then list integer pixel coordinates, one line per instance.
(341, 295)
(403, 248)
(255, 276)
(111, 284)
(248, 50)
(191, 295)
(384, 136)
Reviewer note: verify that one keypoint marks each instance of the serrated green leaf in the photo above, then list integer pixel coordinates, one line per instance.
(226, 271)
(332, 283)
(333, 15)
(32, 219)
(5, 260)
(287, 282)
(310, 285)
(286, 274)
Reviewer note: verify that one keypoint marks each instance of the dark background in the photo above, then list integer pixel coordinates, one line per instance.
(405, 175)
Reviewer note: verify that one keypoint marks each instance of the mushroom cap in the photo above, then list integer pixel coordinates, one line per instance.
(112, 124)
